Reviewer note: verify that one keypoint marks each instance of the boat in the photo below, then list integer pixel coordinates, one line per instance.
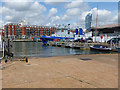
(100, 48)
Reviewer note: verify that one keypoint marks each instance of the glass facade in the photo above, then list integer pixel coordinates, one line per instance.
(88, 20)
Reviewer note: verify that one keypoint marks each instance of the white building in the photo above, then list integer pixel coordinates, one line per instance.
(88, 20)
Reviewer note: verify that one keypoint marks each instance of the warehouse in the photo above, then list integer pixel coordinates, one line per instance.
(107, 31)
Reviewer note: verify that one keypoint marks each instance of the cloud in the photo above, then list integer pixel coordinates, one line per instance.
(55, 18)
(1, 23)
(104, 17)
(5, 11)
(37, 7)
(74, 4)
(35, 13)
(76, 8)
(66, 18)
(115, 19)
(17, 1)
(73, 11)
(18, 6)
(55, 0)
(8, 18)
(53, 11)
(15, 14)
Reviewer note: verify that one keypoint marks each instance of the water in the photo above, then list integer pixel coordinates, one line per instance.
(36, 49)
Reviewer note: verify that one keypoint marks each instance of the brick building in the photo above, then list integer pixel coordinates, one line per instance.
(11, 30)
(26, 31)
(2, 32)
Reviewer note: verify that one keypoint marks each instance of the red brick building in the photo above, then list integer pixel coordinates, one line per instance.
(11, 30)
(2, 32)
(26, 31)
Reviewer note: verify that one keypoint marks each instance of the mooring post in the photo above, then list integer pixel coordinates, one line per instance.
(3, 49)
(8, 46)
(111, 44)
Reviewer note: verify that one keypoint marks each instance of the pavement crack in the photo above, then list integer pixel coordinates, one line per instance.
(76, 79)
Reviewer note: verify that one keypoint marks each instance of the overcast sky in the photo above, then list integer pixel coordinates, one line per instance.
(51, 13)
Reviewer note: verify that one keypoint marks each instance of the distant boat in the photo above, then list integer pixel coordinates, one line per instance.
(100, 48)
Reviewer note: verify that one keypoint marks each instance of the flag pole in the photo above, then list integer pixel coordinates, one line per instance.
(96, 24)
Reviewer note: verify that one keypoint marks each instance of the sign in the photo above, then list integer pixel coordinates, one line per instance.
(101, 36)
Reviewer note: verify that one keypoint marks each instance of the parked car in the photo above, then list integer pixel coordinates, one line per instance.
(114, 40)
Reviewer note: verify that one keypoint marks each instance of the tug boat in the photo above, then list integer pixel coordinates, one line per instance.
(100, 48)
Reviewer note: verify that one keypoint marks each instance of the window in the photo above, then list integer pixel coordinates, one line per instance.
(38, 32)
(44, 32)
(68, 31)
(28, 31)
(52, 31)
(12, 26)
(48, 32)
(12, 31)
(20, 32)
(33, 32)
(7, 31)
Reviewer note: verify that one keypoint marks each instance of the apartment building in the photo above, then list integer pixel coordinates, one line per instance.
(26, 31)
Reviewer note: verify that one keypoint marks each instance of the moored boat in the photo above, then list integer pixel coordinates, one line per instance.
(100, 47)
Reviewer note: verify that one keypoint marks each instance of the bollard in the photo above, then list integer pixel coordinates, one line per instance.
(26, 60)
(111, 44)
(6, 60)
(0, 60)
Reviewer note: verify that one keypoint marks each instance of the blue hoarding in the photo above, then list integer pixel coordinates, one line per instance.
(80, 31)
(76, 31)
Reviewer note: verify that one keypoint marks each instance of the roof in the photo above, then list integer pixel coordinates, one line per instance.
(107, 26)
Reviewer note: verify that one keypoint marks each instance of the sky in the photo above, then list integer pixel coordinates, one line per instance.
(62, 12)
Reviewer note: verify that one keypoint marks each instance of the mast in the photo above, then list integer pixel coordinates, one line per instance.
(96, 24)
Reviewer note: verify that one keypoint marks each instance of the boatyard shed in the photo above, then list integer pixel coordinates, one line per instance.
(109, 30)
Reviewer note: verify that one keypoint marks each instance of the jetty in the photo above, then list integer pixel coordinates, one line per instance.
(76, 45)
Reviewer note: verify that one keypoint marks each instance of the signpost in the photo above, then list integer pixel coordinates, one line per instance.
(101, 38)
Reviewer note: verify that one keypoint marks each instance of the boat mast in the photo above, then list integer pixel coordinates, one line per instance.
(96, 24)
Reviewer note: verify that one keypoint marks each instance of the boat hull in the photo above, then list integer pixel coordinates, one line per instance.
(99, 49)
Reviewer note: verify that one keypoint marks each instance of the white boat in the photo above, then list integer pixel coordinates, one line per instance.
(100, 48)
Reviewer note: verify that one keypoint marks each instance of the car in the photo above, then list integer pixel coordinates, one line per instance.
(113, 40)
